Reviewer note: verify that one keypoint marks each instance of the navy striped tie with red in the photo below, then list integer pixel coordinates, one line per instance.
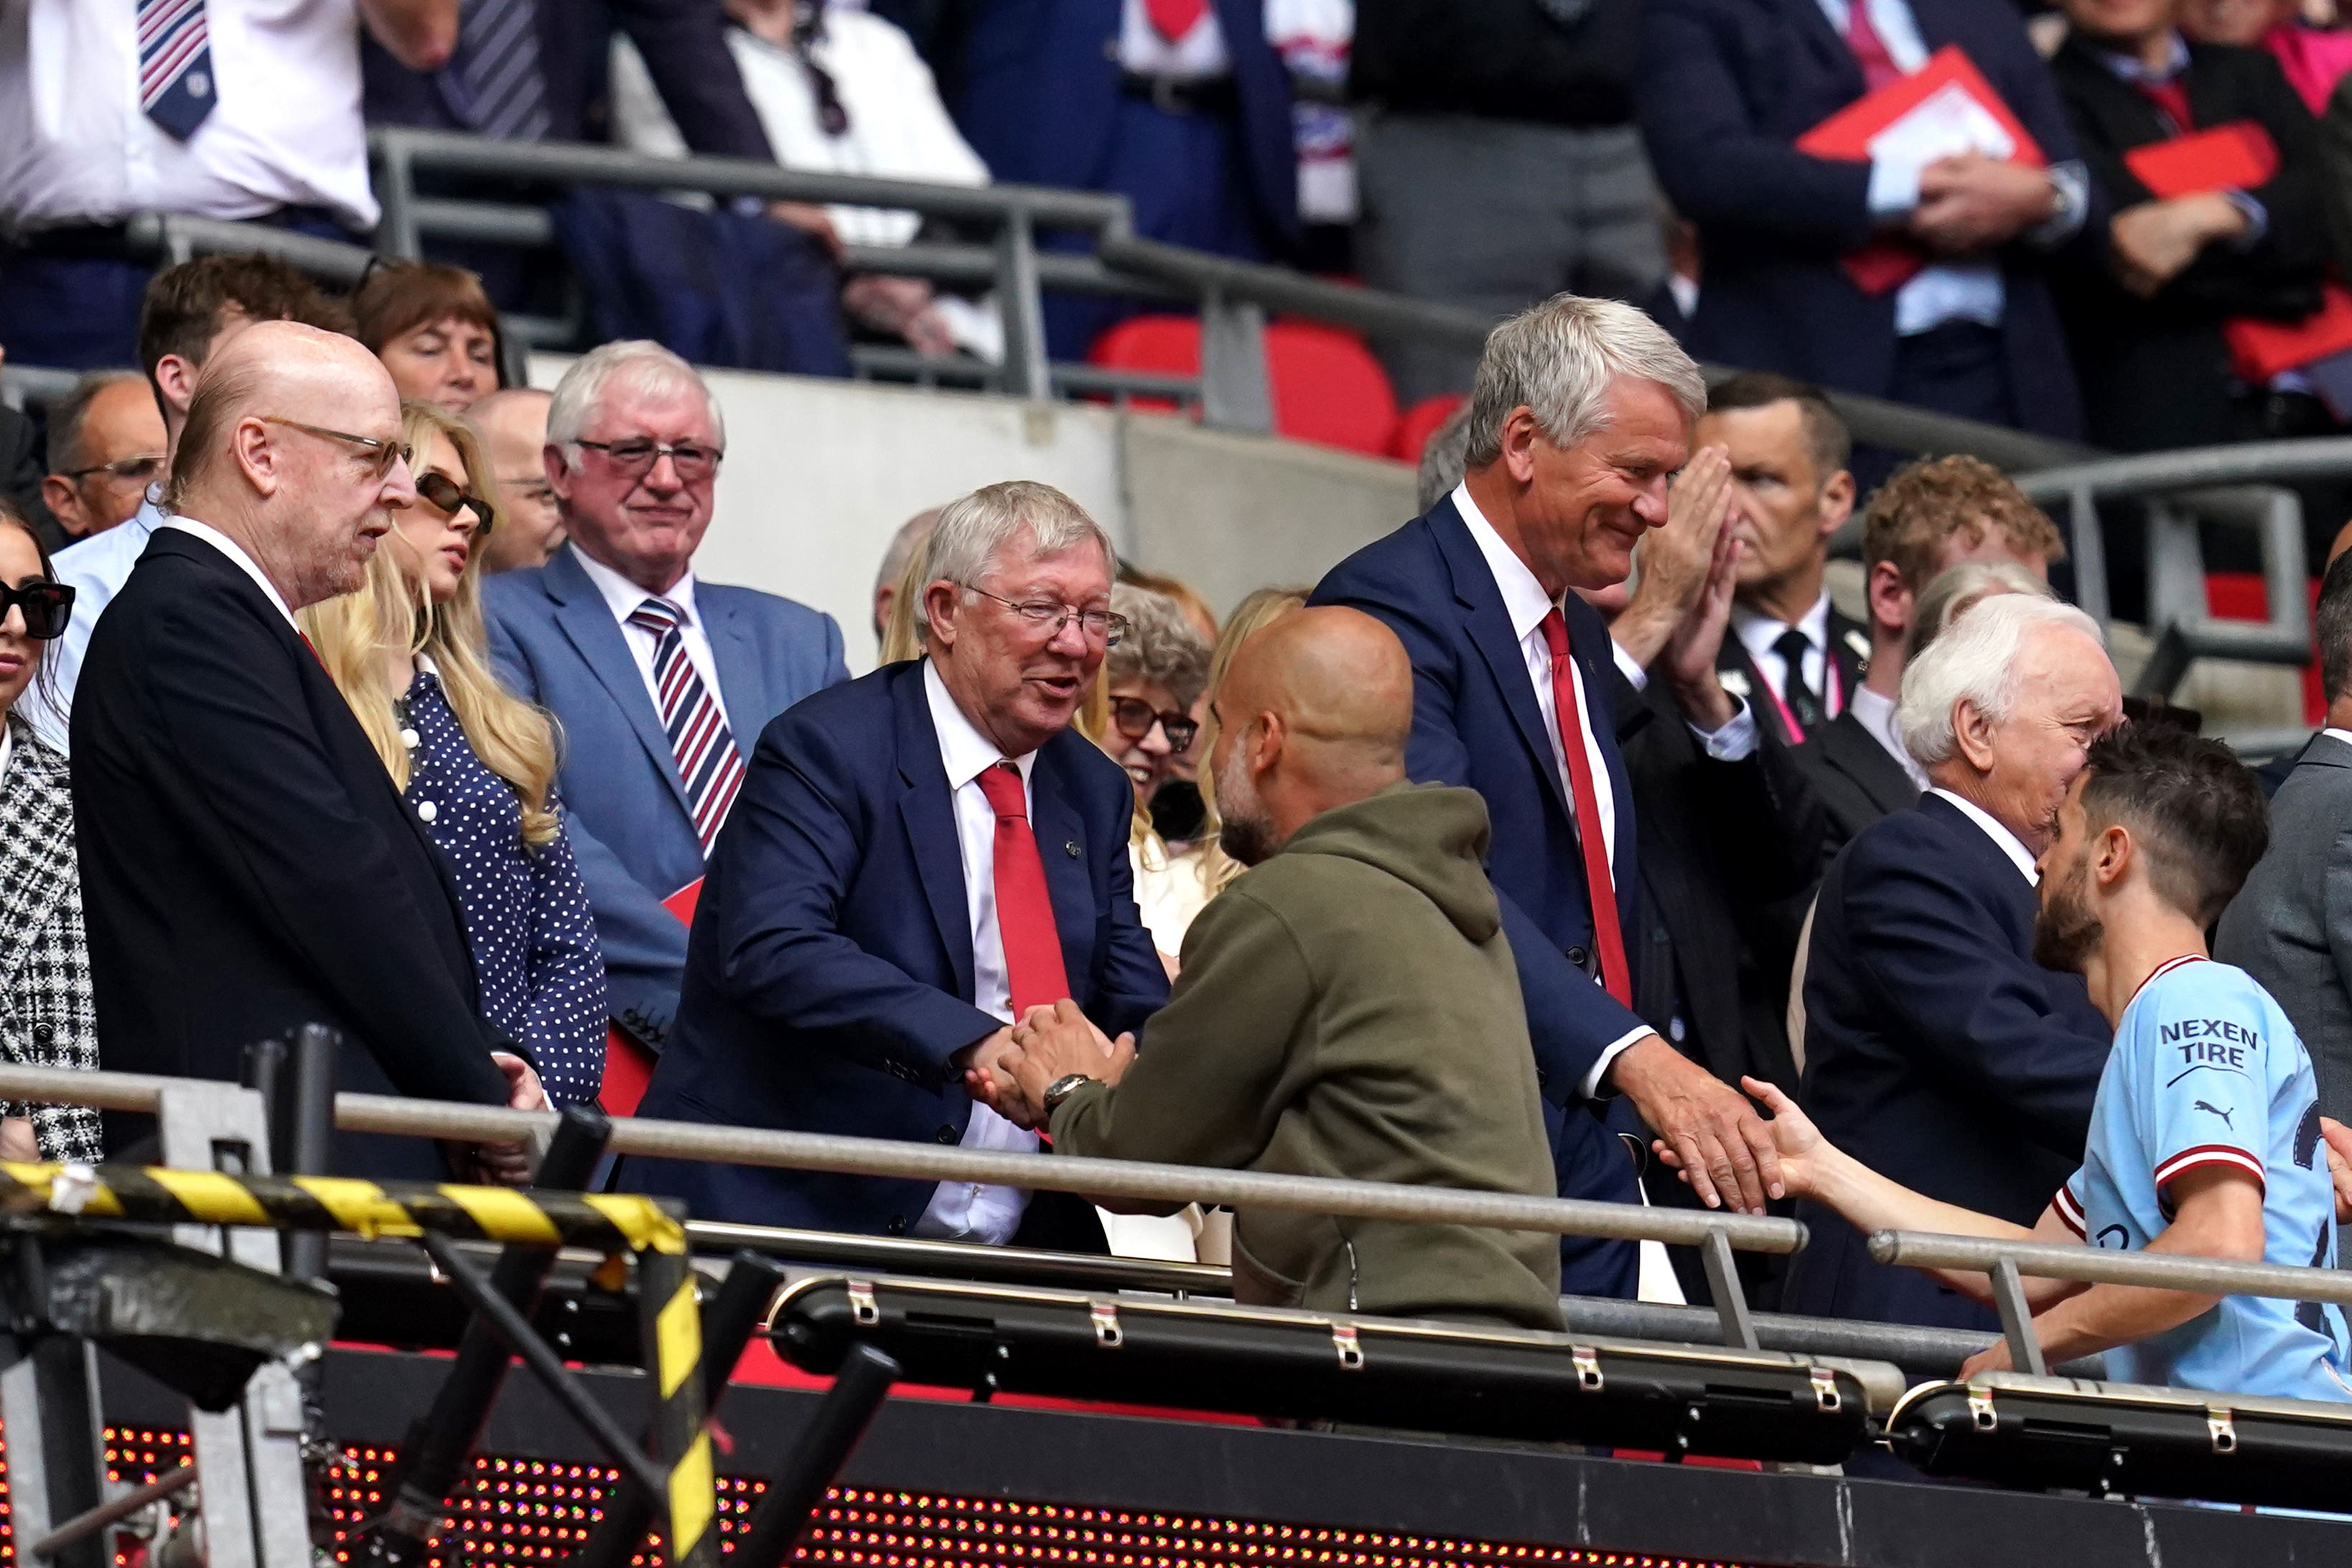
(708, 762)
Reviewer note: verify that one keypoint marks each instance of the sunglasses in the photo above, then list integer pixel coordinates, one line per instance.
(46, 606)
(447, 497)
(381, 453)
(1133, 718)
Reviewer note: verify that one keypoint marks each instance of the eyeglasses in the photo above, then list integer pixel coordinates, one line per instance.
(447, 496)
(1045, 616)
(140, 470)
(1133, 717)
(635, 458)
(381, 453)
(47, 606)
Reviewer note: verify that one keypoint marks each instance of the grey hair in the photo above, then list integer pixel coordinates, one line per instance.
(637, 362)
(1161, 647)
(1441, 459)
(1559, 361)
(67, 415)
(973, 530)
(1976, 660)
(1954, 593)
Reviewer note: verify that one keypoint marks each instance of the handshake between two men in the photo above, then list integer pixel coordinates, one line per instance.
(1023, 1071)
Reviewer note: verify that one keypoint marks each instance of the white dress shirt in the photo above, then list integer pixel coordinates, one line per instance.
(622, 597)
(95, 568)
(1877, 714)
(967, 1211)
(1757, 633)
(285, 129)
(2010, 844)
(2343, 735)
(1198, 56)
(244, 562)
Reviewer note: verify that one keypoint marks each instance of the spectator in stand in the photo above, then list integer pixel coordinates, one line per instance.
(1724, 90)
(1154, 674)
(1931, 516)
(433, 329)
(247, 866)
(1181, 106)
(45, 1017)
(1937, 1050)
(106, 446)
(20, 462)
(657, 679)
(2146, 331)
(512, 423)
(190, 314)
(408, 652)
(2314, 59)
(1498, 163)
(1582, 410)
(230, 108)
(1175, 806)
(906, 547)
(881, 910)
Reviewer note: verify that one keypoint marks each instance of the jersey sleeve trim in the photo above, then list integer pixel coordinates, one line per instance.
(2069, 1211)
(2190, 1159)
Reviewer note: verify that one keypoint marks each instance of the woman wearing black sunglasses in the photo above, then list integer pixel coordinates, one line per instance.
(45, 1017)
(409, 653)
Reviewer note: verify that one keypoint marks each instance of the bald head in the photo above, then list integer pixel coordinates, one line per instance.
(513, 426)
(1313, 714)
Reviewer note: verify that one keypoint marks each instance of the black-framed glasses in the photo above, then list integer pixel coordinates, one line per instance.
(47, 606)
(635, 458)
(381, 452)
(1133, 718)
(448, 497)
(1050, 617)
(141, 471)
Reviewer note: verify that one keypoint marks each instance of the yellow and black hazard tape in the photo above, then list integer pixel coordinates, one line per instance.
(156, 1194)
(680, 1436)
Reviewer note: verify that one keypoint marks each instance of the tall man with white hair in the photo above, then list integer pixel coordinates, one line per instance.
(1582, 414)
(1937, 1050)
(659, 680)
(917, 859)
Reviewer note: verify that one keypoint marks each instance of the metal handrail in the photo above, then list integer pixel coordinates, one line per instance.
(2104, 1265)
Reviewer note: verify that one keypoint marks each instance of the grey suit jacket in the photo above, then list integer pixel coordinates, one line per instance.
(2291, 926)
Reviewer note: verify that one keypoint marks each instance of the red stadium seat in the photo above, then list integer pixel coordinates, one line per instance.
(2241, 596)
(1327, 388)
(1421, 421)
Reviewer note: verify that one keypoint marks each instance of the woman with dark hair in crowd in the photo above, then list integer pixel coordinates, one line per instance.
(435, 330)
(409, 653)
(46, 1017)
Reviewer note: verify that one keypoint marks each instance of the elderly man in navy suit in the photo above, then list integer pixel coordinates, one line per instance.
(1933, 1040)
(919, 857)
(658, 680)
(1581, 413)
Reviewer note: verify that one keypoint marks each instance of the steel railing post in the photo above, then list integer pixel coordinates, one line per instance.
(1020, 303)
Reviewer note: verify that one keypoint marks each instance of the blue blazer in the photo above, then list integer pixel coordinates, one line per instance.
(555, 643)
(831, 972)
(1937, 1051)
(1725, 89)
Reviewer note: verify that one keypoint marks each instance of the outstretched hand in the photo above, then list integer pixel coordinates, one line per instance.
(1797, 1143)
(2338, 1141)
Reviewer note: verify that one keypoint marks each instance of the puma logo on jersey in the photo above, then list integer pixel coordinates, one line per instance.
(2216, 1110)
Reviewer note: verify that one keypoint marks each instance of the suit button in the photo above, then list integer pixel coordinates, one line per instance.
(898, 1225)
(944, 1135)
(1579, 957)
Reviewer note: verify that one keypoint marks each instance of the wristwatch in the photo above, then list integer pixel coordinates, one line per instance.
(1062, 1088)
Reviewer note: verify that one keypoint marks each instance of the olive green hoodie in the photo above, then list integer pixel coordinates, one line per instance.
(1350, 1008)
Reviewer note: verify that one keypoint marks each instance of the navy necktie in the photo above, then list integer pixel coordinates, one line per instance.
(175, 65)
(497, 69)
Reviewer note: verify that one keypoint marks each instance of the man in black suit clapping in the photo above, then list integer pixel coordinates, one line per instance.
(246, 864)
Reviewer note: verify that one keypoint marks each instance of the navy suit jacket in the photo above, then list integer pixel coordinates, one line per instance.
(1936, 1052)
(556, 644)
(1037, 83)
(1725, 87)
(831, 973)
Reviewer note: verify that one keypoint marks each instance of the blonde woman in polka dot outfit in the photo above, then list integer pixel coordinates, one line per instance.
(476, 765)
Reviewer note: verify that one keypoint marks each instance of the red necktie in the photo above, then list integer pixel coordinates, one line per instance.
(1171, 19)
(1024, 912)
(1878, 67)
(2171, 97)
(1607, 935)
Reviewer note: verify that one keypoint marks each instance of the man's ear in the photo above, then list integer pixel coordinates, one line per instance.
(1972, 734)
(2112, 857)
(175, 379)
(1837, 504)
(1892, 603)
(58, 495)
(1520, 433)
(558, 473)
(1267, 737)
(259, 458)
(938, 611)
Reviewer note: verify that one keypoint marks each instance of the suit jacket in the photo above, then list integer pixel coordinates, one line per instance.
(685, 48)
(1724, 90)
(2155, 373)
(1037, 83)
(1855, 779)
(246, 864)
(556, 644)
(1937, 1051)
(1848, 652)
(2290, 926)
(831, 972)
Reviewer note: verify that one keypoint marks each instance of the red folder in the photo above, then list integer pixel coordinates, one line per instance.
(1845, 137)
(629, 1066)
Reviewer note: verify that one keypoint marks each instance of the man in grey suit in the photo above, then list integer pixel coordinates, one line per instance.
(2291, 926)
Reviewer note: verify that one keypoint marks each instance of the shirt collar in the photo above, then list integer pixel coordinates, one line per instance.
(1758, 632)
(2010, 844)
(1524, 599)
(966, 752)
(622, 597)
(2128, 68)
(235, 552)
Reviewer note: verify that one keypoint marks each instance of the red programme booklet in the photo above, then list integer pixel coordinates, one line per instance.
(628, 1065)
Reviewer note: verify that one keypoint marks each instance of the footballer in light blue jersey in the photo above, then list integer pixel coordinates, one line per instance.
(2206, 1070)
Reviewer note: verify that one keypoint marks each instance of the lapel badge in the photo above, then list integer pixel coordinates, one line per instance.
(1734, 681)
(1070, 847)
(1859, 644)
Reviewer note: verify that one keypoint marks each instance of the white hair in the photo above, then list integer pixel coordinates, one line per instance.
(973, 530)
(1976, 660)
(1560, 359)
(638, 363)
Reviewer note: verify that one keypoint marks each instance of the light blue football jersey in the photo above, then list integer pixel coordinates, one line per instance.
(2206, 1070)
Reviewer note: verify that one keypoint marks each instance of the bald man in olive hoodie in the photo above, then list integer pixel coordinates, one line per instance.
(1349, 1007)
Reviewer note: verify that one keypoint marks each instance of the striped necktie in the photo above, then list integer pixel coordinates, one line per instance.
(498, 69)
(175, 65)
(708, 762)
